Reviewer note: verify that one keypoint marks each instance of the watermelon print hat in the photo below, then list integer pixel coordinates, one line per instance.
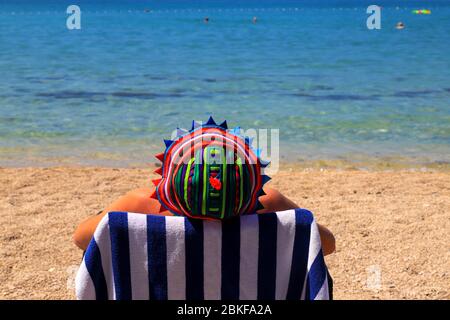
(210, 172)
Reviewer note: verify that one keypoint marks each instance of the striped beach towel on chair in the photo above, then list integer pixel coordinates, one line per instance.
(260, 256)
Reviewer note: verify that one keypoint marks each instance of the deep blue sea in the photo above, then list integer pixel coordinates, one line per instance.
(108, 93)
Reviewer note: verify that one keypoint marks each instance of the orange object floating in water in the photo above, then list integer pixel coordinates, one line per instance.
(422, 11)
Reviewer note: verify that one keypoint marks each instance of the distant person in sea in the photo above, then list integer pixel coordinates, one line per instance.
(254, 19)
(400, 25)
(206, 20)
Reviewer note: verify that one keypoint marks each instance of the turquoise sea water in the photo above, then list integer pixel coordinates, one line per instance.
(107, 94)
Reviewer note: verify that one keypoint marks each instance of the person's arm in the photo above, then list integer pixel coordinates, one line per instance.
(137, 201)
(275, 201)
(85, 230)
(327, 239)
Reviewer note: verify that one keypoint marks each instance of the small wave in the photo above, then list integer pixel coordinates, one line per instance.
(146, 95)
(335, 97)
(119, 94)
(138, 95)
(69, 94)
(321, 87)
(413, 94)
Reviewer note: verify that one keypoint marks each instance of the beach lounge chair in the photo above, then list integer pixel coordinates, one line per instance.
(260, 256)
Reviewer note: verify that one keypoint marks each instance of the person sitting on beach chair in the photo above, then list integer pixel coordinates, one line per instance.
(208, 173)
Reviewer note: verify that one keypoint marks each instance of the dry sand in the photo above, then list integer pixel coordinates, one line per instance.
(392, 228)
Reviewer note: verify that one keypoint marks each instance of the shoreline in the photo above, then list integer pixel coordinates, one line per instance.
(388, 224)
(371, 165)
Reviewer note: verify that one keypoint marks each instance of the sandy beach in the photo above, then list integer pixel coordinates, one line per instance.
(392, 227)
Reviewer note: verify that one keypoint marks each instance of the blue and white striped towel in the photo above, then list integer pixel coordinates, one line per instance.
(260, 256)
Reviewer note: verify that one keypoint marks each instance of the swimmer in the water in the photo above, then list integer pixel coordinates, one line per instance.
(400, 25)
(254, 20)
(206, 20)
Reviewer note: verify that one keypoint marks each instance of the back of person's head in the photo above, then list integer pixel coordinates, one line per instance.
(210, 172)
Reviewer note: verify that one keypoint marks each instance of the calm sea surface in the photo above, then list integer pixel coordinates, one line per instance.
(107, 94)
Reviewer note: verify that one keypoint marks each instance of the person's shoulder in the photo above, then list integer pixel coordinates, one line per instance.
(141, 201)
(144, 192)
